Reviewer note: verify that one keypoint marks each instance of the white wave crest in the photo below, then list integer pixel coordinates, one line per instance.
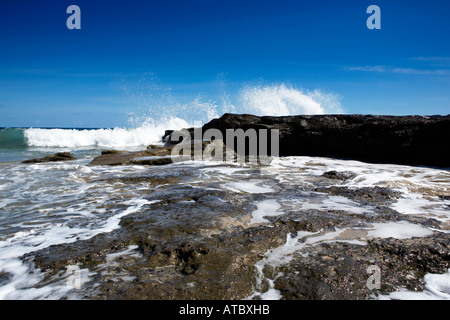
(149, 132)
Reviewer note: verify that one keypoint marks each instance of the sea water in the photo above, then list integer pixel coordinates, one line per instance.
(54, 203)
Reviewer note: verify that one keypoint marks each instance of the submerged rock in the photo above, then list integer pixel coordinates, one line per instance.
(376, 195)
(162, 155)
(343, 175)
(60, 156)
(153, 156)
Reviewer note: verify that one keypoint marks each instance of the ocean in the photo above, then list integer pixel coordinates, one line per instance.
(48, 206)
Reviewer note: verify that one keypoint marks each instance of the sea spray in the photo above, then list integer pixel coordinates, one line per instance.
(283, 100)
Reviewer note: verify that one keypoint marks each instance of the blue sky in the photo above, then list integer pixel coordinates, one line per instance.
(138, 56)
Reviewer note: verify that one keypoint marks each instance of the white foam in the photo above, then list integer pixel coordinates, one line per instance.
(130, 251)
(41, 237)
(400, 177)
(417, 205)
(135, 205)
(148, 133)
(420, 187)
(266, 208)
(282, 255)
(226, 170)
(334, 203)
(398, 230)
(248, 186)
(274, 258)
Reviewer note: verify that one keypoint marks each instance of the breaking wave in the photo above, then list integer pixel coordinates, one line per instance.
(152, 116)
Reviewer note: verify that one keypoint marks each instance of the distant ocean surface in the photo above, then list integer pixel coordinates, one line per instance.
(18, 144)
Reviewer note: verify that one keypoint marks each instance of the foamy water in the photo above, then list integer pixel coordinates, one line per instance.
(424, 193)
(147, 133)
(53, 204)
(47, 204)
(421, 188)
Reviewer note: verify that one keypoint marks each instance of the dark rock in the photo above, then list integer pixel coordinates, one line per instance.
(161, 155)
(112, 152)
(4, 277)
(376, 195)
(60, 156)
(328, 273)
(158, 161)
(413, 140)
(167, 137)
(114, 158)
(345, 175)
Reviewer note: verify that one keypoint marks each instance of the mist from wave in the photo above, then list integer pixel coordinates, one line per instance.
(155, 110)
(284, 100)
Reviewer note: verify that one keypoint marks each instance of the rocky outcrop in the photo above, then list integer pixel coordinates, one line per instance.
(161, 155)
(153, 155)
(412, 140)
(60, 156)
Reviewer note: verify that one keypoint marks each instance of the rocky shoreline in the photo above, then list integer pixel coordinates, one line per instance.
(409, 140)
(196, 240)
(198, 243)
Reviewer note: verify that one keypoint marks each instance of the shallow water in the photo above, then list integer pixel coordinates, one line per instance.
(53, 203)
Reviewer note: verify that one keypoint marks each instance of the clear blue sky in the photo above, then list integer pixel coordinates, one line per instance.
(131, 55)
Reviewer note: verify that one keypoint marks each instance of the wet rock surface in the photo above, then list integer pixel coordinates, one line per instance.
(343, 175)
(60, 156)
(376, 195)
(156, 155)
(195, 240)
(328, 273)
(161, 155)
